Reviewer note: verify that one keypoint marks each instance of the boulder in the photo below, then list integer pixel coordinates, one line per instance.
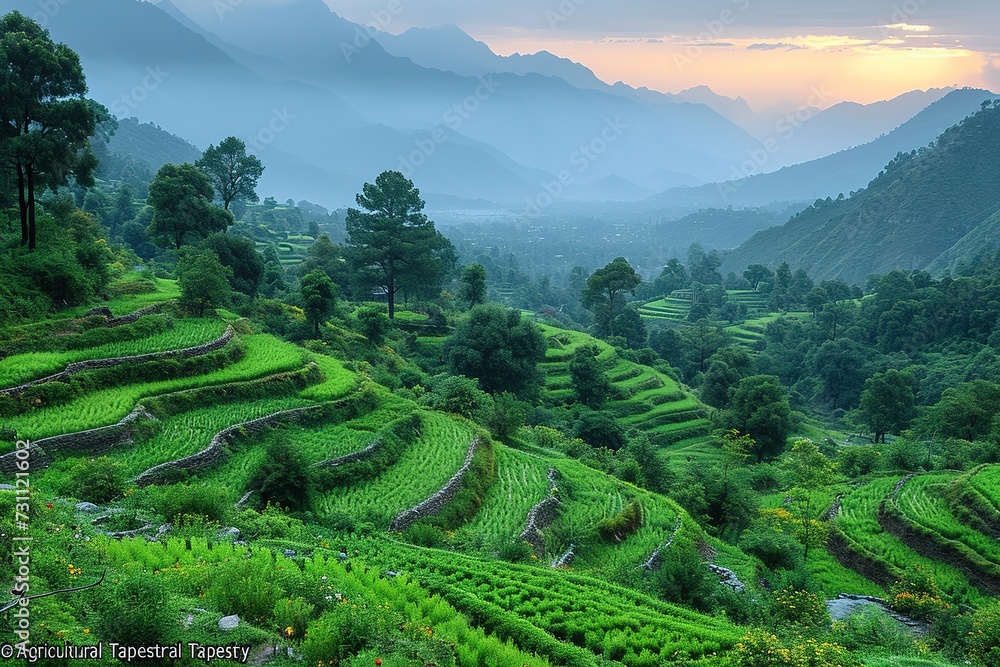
(89, 508)
(228, 623)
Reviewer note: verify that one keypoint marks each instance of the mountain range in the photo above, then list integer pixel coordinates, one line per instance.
(328, 104)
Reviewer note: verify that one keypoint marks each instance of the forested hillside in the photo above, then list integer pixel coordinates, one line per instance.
(917, 209)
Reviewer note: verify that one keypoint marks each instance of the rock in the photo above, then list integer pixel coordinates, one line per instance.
(165, 528)
(289, 553)
(229, 623)
(189, 621)
(89, 508)
(6, 487)
(728, 578)
(230, 532)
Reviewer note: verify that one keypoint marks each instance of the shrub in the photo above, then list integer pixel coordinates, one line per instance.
(247, 588)
(348, 629)
(135, 610)
(872, 629)
(182, 503)
(284, 478)
(775, 549)
(294, 615)
(99, 480)
(625, 523)
(684, 578)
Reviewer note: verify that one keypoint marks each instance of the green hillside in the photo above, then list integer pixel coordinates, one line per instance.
(915, 211)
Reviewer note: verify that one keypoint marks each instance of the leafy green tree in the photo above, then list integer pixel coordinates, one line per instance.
(966, 412)
(392, 242)
(497, 347)
(233, 173)
(474, 284)
(887, 403)
(373, 323)
(704, 267)
(673, 277)
(590, 383)
(757, 274)
(283, 478)
(841, 366)
(45, 120)
(239, 254)
(204, 281)
(811, 472)
(181, 197)
(760, 409)
(725, 369)
(630, 326)
(124, 208)
(605, 290)
(319, 295)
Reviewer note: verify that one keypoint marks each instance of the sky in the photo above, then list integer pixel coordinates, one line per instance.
(766, 51)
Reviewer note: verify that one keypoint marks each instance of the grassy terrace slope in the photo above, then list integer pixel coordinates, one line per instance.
(644, 398)
(865, 537)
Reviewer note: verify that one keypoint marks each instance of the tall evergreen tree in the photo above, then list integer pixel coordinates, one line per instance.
(392, 243)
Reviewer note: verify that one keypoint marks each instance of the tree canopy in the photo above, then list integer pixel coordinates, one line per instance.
(233, 173)
(181, 197)
(45, 120)
(497, 347)
(392, 243)
(604, 290)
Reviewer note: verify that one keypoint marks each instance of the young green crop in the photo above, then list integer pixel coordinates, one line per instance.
(422, 470)
(859, 524)
(265, 355)
(21, 368)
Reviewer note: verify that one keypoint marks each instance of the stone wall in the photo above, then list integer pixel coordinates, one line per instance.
(132, 318)
(93, 441)
(216, 450)
(355, 457)
(567, 558)
(99, 364)
(541, 516)
(840, 549)
(433, 505)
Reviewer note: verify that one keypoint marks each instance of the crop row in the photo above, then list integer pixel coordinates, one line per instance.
(20, 368)
(265, 355)
(522, 481)
(421, 471)
(616, 623)
(859, 524)
(923, 504)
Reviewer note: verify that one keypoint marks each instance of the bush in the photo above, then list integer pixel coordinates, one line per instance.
(625, 523)
(293, 615)
(99, 480)
(775, 549)
(247, 588)
(348, 629)
(872, 629)
(182, 504)
(135, 610)
(284, 478)
(600, 429)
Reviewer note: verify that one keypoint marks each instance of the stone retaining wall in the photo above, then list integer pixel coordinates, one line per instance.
(567, 558)
(216, 451)
(433, 505)
(99, 364)
(132, 318)
(93, 441)
(541, 516)
(355, 457)
(870, 569)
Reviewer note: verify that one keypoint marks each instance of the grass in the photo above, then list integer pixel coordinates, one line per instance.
(265, 355)
(20, 368)
(859, 524)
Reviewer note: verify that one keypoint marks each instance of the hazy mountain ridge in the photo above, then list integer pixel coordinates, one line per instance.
(918, 209)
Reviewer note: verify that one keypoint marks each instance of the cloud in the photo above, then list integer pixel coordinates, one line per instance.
(907, 27)
(761, 46)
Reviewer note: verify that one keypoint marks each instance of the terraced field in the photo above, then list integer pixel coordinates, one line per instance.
(20, 368)
(937, 532)
(646, 399)
(865, 536)
(422, 470)
(752, 331)
(668, 309)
